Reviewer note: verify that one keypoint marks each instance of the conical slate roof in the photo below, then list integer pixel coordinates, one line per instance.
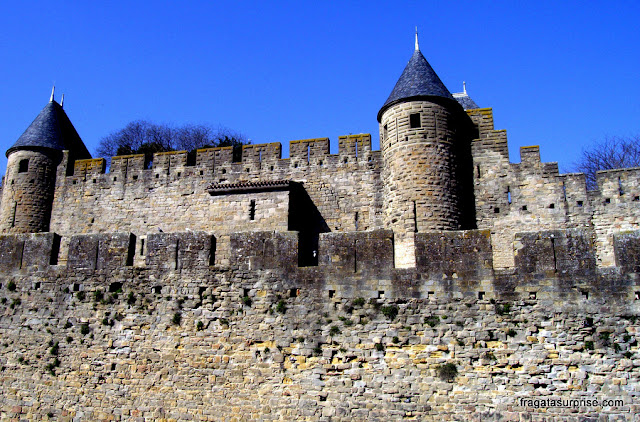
(465, 100)
(417, 80)
(52, 129)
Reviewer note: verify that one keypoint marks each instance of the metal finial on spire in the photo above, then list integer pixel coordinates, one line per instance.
(417, 46)
(61, 100)
(52, 91)
(464, 87)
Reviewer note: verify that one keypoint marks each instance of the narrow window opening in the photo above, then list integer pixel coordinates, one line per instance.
(580, 203)
(637, 295)
(478, 171)
(113, 366)
(245, 292)
(564, 192)
(320, 162)
(252, 210)
(131, 252)
(13, 214)
(74, 182)
(509, 195)
(177, 255)
(293, 292)
(115, 179)
(271, 168)
(308, 153)
(212, 252)
(55, 249)
(620, 190)
(346, 160)
(355, 256)
(480, 295)
(385, 132)
(553, 248)
(636, 198)
(23, 166)
(260, 155)
(356, 220)
(141, 246)
(157, 290)
(369, 158)
(332, 293)
(585, 294)
(36, 285)
(97, 256)
(295, 165)
(179, 174)
(431, 295)
(356, 149)
(157, 175)
(415, 217)
(201, 172)
(76, 287)
(533, 295)
(94, 180)
(247, 169)
(414, 120)
(224, 171)
(380, 294)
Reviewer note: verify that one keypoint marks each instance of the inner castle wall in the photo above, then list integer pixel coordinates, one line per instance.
(345, 190)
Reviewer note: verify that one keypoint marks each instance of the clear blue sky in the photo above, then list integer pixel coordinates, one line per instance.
(558, 74)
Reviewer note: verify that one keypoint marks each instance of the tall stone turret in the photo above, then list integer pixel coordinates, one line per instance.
(33, 162)
(420, 128)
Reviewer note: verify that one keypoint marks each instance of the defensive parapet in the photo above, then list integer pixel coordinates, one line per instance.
(549, 265)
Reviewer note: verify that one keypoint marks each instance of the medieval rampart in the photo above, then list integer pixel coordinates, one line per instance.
(178, 336)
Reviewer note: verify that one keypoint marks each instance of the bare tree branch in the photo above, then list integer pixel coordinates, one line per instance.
(611, 153)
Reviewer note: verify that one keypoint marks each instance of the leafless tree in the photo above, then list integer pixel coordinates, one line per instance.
(611, 153)
(141, 136)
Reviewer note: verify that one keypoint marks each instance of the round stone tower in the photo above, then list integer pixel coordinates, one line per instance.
(418, 138)
(29, 184)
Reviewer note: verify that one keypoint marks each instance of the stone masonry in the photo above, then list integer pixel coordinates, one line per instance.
(431, 280)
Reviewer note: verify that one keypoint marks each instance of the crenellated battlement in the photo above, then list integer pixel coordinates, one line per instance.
(449, 263)
(303, 154)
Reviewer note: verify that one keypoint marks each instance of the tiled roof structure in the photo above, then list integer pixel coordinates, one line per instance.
(417, 80)
(52, 129)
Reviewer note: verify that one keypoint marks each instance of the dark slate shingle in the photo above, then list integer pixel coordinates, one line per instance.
(52, 129)
(417, 80)
(465, 101)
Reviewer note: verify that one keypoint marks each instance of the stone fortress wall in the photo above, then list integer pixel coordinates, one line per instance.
(345, 189)
(431, 280)
(178, 336)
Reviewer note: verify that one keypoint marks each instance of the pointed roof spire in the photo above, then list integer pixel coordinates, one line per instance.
(52, 92)
(418, 80)
(463, 98)
(62, 101)
(417, 46)
(52, 130)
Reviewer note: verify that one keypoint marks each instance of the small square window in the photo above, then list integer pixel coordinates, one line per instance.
(23, 166)
(414, 120)
(580, 203)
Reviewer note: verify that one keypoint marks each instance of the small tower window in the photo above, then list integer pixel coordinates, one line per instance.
(385, 132)
(414, 120)
(23, 166)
